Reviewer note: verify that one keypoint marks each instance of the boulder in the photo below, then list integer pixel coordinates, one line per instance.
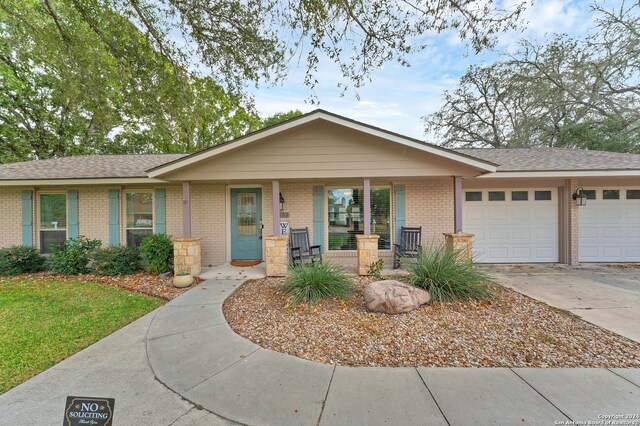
(394, 297)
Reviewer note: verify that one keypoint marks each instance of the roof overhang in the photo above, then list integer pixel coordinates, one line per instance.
(482, 165)
(561, 173)
(80, 181)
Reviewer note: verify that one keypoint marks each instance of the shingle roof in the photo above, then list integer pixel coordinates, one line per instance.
(554, 159)
(136, 165)
(86, 167)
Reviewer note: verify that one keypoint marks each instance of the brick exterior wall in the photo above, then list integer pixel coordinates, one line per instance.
(174, 209)
(299, 203)
(93, 213)
(430, 204)
(11, 214)
(208, 221)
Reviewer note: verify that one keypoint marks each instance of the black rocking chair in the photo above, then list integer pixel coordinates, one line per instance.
(410, 245)
(300, 249)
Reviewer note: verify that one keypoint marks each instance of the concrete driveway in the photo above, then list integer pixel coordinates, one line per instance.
(607, 296)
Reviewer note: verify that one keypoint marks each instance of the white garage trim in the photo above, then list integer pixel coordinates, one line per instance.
(609, 229)
(512, 231)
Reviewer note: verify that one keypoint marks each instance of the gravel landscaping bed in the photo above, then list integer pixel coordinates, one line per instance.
(512, 330)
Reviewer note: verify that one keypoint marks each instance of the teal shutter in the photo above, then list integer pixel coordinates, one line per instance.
(400, 209)
(318, 215)
(160, 213)
(27, 218)
(114, 217)
(73, 230)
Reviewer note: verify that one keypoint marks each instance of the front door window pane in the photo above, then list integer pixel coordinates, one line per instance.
(346, 216)
(139, 217)
(247, 209)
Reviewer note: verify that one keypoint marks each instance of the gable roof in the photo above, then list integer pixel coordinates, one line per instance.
(556, 160)
(318, 114)
(86, 167)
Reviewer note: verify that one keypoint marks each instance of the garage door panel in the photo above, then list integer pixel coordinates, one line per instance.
(609, 229)
(513, 231)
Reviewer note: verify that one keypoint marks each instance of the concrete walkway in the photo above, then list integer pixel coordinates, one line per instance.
(193, 351)
(115, 367)
(606, 296)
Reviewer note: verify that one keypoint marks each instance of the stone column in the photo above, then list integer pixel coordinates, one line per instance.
(186, 255)
(367, 252)
(460, 242)
(277, 255)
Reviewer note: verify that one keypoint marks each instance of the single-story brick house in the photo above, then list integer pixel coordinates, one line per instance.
(339, 178)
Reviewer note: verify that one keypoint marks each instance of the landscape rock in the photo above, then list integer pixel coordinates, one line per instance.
(394, 297)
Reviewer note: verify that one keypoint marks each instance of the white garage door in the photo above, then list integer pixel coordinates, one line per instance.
(610, 225)
(512, 225)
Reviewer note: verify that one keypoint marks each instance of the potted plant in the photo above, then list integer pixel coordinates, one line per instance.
(182, 278)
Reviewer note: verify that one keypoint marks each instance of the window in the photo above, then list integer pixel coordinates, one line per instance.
(519, 195)
(543, 195)
(381, 216)
(53, 221)
(611, 194)
(346, 217)
(473, 196)
(496, 195)
(590, 193)
(633, 194)
(139, 217)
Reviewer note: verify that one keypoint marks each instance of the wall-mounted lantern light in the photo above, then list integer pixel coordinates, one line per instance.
(281, 202)
(580, 197)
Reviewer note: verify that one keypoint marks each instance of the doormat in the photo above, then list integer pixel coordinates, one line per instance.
(245, 263)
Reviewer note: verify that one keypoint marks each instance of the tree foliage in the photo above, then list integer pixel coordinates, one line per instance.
(280, 117)
(72, 85)
(581, 93)
(102, 76)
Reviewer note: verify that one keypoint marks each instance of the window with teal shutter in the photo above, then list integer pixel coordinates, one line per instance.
(318, 215)
(73, 228)
(400, 208)
(161, 210)
(114, 217)
(27, 218)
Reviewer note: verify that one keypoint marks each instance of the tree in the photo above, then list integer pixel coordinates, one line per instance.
(280, 117)
(568, 92)
(68, 86)
(251, 41)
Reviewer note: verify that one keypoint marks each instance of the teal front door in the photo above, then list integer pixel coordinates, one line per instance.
(246, 223)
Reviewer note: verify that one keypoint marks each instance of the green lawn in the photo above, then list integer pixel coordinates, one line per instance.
(43, 321)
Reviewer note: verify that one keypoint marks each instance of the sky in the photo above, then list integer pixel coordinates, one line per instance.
(399, 97)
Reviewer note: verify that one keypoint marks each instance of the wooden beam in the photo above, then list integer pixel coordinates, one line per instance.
(457, 191)
(275, 187)
(367, 206)
(186, 209)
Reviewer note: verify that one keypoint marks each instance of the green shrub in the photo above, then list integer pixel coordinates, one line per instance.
(72, 257)
(447, 276)
(315, 282)
(116, 261)
(157, 253)
(18, 260)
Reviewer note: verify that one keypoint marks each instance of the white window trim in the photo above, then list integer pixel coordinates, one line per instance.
(351, 186)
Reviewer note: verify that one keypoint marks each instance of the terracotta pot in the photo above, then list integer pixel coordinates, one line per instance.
(182, 281)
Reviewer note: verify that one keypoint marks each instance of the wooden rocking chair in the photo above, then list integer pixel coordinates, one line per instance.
(299, 248)
(409, 245)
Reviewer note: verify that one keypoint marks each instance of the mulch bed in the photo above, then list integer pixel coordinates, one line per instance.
(141, 282)
(511, 330)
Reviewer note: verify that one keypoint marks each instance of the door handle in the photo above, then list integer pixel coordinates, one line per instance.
(261, 228)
